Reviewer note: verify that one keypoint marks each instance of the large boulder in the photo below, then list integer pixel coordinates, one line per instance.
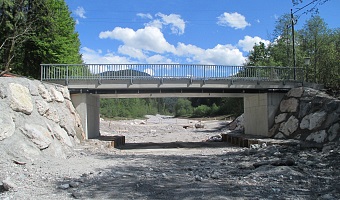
(39, 135)
(20, 98)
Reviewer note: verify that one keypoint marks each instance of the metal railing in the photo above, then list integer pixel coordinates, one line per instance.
(50, 72)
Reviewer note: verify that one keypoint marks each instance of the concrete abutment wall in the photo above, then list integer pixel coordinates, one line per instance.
(259, 112)
(88, 106)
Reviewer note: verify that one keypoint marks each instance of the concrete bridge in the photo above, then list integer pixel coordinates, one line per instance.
(262, 88)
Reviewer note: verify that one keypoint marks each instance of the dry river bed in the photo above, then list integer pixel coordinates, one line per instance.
(162, 160)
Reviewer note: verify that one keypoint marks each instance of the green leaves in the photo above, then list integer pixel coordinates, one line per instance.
(315, 41)
(36, 32)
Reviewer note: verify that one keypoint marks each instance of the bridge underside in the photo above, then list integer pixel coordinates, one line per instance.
(260, 105)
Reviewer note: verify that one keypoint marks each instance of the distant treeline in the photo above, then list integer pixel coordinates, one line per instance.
(179, 107)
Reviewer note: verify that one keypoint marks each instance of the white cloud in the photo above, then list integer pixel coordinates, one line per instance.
(131, 51)
(155, 23)
(158, 59)
(234, 20)
(77, 21)
(177, 24)
(248, 42)
(220, 54)
(95, 57)
(144, 15)
(148, 38)
(80, 12)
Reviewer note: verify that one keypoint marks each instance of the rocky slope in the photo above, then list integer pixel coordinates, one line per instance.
(36, 119)
(309, 115)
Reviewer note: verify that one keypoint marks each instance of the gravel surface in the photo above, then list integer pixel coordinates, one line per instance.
(164, 160)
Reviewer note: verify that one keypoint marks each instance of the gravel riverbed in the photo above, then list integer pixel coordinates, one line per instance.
(164, 160)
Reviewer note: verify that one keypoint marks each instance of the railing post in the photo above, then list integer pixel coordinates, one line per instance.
(41, 71)
(66, 83)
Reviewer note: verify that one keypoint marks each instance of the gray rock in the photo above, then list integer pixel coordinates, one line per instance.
(215, 175)
(332, 118)
(20, 98)
(296, 92)
(76, 194)
(289, 127)
(332, 105)
(55, 149)
(8, 184)
(74, 184)
(313, 120)
(3, 91)
(70, 106)
(305, 108)
(65, 92)
(198, 178)
(42, 107)
(52, 114)
(289, 105)
(64, 186)
(279, 136)
(38, 134)
(62, 135)
(44, 93)
(333, 132)
(280, 118)
(33, 88)
(56, 95)
(318, 137)
(7, 127)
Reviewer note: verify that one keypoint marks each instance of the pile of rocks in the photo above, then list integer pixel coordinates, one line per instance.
(36, 119)
(237, 124)
(308, 115)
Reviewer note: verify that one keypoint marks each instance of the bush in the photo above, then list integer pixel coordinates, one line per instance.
(202, 111)
(183, 108)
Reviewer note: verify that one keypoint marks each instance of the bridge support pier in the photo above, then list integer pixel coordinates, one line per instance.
(87, 106)
(259, 112)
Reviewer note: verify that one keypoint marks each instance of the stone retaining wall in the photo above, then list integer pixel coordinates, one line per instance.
(309, 115)
(36, 118)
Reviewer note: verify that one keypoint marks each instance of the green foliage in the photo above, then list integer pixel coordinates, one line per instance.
(180, 107)
(233, 106)
(315, 41)
(131, 108)
(202, 111)
(36, 32)
(183, 108)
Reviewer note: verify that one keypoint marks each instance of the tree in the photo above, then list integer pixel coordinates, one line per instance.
(314, 5)
(183, 107)
(14, 29)
(34, 32)
(313, 36)
(55, 39)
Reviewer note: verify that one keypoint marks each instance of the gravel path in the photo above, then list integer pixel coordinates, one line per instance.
(163, 160)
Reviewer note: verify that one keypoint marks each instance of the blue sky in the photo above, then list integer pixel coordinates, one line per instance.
(181, 31)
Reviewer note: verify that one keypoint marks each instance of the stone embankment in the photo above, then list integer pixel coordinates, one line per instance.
(308, 115)
(36, 119)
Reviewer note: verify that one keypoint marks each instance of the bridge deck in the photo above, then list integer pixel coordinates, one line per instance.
(170, 78)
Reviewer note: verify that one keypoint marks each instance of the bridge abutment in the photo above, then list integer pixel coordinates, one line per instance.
(259, 112)
(87, 106)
